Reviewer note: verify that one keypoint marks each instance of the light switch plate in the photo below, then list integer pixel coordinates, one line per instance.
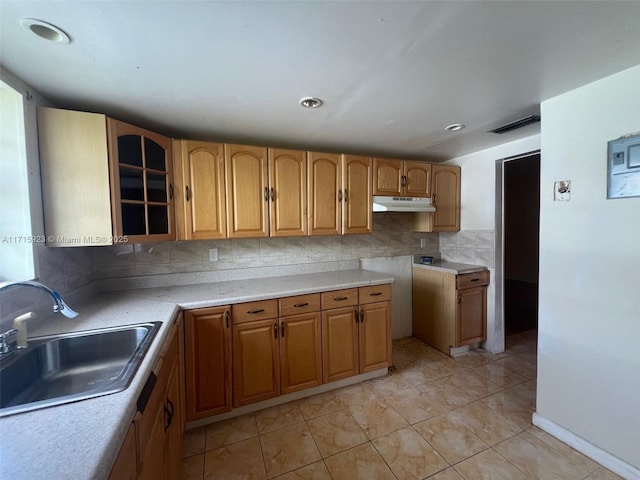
(213, 254)
(562, 191)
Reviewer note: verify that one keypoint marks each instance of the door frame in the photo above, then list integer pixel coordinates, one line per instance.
(499, 248)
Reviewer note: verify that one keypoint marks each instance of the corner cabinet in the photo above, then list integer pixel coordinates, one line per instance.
(103, 181)
(449, 310)
(445, 198)
(339, 194)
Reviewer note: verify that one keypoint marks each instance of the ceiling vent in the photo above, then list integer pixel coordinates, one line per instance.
(523, 122)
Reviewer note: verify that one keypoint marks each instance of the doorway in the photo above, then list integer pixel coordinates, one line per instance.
(519, 222)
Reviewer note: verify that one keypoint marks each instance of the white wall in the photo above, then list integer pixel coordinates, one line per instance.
(589, 315)
(477, 212)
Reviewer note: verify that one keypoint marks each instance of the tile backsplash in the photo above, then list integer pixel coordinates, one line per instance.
(469, 246)
(257, 257)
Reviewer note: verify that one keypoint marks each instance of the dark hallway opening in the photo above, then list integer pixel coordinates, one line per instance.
(521, 243)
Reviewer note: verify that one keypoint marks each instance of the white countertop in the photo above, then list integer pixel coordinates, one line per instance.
(81, 440)
(451, 267)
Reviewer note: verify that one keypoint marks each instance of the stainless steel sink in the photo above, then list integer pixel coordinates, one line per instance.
(69, 367)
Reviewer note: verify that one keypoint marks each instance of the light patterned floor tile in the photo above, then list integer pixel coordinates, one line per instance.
(361, 462)
(603, 474)
(277, 417)
(482, 421)
(510, 407)
(336, 432)
(320, 404)
(408, 455)
(288, 449)
(230, 431)
(451, 439)
(193, 442)
(357, 394)
(499, 374)
(413, 405)
(377, 418)
(474, 384)
(445, 394)
(446, 474)
(390, 384)
(240, 460)
(315, 471)
(534, 456)
(489, 465)
(193, 468)
(564, 449)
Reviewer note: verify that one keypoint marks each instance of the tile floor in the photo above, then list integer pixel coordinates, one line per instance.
(432, 417)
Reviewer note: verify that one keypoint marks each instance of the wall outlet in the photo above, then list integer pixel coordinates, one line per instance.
(562, 191)
(423, 243)
(213, 254)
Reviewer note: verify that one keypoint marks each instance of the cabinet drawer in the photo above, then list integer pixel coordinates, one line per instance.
(340, 298)
(377, 293)
(476, 279)
(251, 311)
(299, 304)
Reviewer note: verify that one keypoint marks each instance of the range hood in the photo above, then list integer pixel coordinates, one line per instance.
(402, 204)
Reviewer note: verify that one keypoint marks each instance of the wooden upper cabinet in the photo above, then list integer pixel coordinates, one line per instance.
(417, 179)
(208, 362)
(247, 191)
(201, 206)
(324, 184)
(119, 174)
(401, 178)
(387, 177)
(357, 208)
(446, 198)
(287, 192)
(142, 179)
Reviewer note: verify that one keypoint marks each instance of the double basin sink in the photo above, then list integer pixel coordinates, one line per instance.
(65, 368)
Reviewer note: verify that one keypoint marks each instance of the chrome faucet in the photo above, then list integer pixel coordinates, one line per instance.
(58, 303)
(19, 324)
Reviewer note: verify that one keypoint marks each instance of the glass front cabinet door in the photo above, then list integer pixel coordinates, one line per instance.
(141, 183)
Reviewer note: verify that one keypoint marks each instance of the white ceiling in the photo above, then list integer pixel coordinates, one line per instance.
(392, 74)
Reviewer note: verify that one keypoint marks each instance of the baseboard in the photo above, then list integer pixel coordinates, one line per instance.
(626, 471)
(289, 397)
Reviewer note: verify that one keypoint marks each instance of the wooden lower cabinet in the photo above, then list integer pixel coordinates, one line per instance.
(256, 362)
(375, 336)
(208, 362)
(449, 310)
(126, 464)
(357, 339)
(339, 343)
(300, 352)
(159, 424)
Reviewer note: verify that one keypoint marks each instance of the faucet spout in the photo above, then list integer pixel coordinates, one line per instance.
(58, 303)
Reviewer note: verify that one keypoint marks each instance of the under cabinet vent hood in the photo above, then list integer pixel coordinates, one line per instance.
(402, 204)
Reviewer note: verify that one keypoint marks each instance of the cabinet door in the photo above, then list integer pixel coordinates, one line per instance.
(300, 352)
(126, 465)
(208, 362)
(417, 179)
(375, 336)
(339, 344)
(200, 184)
(471, 316)
(153, 465)
(324, 183)
(247, 191)
(172, 430)
(288, 192)
(256, 362)
(357, 210)
(387, 177)
(446, 198)
(141, 183)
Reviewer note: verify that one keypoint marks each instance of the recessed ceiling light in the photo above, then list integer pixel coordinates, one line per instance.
(45, 30)
(311, 102)
(454, 127)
